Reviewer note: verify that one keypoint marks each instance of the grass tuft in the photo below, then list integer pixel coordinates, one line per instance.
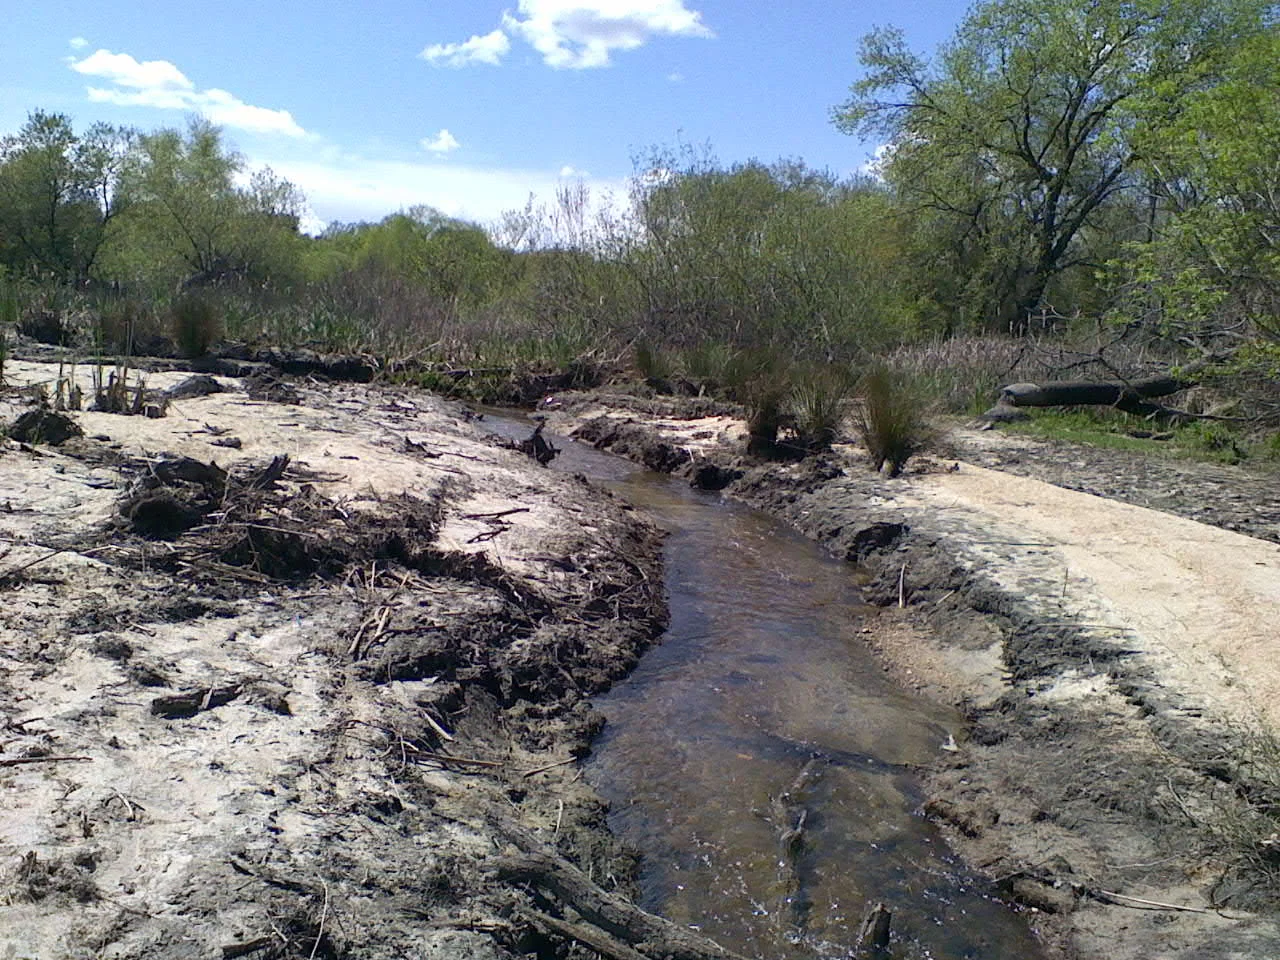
(890, 419)
(817, 403)
(196, 325)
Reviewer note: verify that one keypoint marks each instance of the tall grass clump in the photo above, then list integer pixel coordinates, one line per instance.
(196, 325)
(759, 380)
(8, 319)
(818, 404)
(705, 366)
(890, 419)
(653, 364)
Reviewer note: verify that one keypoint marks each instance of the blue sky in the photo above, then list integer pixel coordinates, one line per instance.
(468, 105)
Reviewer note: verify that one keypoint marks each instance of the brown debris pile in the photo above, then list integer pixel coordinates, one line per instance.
(266, 523)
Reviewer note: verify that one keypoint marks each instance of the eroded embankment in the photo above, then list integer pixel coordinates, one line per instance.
(323, 698)
(1114, 663)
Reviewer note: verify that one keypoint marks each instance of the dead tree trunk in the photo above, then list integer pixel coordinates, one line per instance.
(1132, 396)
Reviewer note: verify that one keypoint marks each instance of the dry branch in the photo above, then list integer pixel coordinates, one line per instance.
(645, 934)
(18, 761)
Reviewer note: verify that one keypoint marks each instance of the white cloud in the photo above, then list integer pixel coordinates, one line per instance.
(442, 143)
(78, 43)
(878, 161)
(575, 34)
(490, 49)
(122, 70)
(162, 86)
(675, 76)
(568, 172)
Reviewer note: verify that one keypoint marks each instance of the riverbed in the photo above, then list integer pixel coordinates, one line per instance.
(760, 759)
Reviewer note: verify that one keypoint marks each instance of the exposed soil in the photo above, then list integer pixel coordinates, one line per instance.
(317, 692)
(1117, 663)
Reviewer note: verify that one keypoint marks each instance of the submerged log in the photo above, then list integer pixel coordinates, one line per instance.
(873, 935)
(615, 920)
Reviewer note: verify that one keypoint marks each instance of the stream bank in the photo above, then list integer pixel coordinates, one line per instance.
(297, 670)
(1110, 662)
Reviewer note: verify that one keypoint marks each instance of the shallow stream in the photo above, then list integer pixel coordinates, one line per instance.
(759, 758)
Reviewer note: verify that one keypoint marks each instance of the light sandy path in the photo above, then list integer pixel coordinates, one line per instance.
(1202, 603)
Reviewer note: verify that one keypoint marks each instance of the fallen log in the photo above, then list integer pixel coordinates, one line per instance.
(1130, 396)
(614, 918)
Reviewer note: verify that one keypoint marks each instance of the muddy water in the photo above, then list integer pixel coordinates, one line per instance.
(759, 759)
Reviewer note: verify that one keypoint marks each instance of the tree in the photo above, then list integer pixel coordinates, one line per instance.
(190, 219)
(59, 192)
(1029, 124)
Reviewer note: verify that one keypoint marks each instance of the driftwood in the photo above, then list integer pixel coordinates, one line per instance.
(604, 919)
(789, 812)
(873, 935)
(1131, 396)
(182, 705)
(538, 447)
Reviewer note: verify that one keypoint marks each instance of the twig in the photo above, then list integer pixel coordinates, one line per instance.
(18, 761)
(49, 556)
(471, 761)
(902, 587)
(496, 515)
(549, 766)
(324, 915)
(444, 734)
(125, 800)
(232, 950)
(1111, 895)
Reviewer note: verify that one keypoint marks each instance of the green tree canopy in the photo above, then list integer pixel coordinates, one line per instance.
(193, 217)
(59, 192)
(1030, 122)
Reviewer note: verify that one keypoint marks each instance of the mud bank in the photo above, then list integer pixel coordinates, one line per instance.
(303, 673)
(1114, 664)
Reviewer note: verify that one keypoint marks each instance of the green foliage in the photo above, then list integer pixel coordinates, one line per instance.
(706, 364)
(188, 220)
(1205, 441)
(1013, 145)
(755, 256)
(197, 325)
(122, 325)
(890, 419)
(1208, 272)
(653, 364)
(59, 195)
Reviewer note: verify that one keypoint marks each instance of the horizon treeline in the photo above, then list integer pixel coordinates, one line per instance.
(1056, 167)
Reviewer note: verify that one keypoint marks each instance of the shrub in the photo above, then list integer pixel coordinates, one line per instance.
(196, 325)
(127, 326)
(817, 404)
(890, 419)
(759, 380)
(1244, 826)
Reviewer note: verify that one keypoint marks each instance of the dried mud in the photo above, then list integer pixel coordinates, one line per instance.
(295, 696)
(1115, 666)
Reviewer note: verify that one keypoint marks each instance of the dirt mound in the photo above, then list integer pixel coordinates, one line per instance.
(42, 425)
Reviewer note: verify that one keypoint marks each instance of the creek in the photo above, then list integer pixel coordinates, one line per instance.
(759, 758)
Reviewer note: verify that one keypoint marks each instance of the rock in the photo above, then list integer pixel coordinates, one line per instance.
(713, 476)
